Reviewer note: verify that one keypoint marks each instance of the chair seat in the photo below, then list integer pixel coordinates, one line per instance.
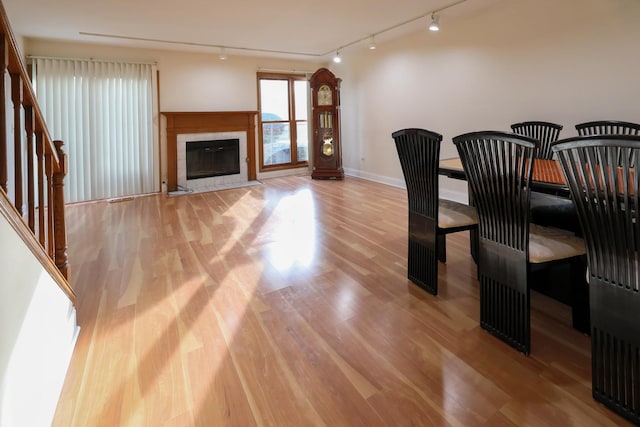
(550, 244)
(453, 214)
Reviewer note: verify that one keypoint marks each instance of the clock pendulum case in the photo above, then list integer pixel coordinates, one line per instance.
(327, 153)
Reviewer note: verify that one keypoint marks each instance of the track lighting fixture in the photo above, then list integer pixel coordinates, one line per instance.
(434, 26)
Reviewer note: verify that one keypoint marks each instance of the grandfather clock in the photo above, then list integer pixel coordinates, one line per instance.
(327, 153)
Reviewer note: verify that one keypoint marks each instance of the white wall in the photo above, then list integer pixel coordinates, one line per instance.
(189, 81)
(565, 61)
(37, 339)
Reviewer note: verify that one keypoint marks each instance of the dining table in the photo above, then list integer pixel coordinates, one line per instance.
(547, 176)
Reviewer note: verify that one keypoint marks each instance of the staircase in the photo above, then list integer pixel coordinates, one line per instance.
(37, 304)
(32, 165)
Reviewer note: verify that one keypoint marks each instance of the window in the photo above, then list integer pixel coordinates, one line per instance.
(283, 129)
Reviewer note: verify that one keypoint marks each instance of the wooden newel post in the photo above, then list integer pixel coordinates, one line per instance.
(60, 230)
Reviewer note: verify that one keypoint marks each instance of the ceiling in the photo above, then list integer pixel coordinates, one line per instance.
(311, 29)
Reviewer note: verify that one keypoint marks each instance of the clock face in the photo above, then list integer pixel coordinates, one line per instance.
(325, 96)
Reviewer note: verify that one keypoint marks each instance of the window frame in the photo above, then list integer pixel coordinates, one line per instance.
(292, 122)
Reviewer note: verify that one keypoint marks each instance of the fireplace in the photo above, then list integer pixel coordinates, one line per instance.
(209, 125)
(212, 158)
(211, 172)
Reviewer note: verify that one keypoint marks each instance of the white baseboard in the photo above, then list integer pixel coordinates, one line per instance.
(376, 178)
(445, 193)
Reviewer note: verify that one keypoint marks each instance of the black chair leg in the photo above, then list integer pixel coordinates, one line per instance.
(615, 348)
(442, 248)
(504, 295)
(423, 266)
(474, 241)
(504, 312)
(580, 296)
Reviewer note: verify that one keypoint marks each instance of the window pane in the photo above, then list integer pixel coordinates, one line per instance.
(276, 147)
(300, 94)
(274, 99)
(303, 142)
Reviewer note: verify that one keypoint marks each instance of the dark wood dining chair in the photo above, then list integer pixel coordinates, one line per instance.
(608, 127)
(545, 132)
(606, 193)
(499, 166)
(547, 209)
(430, 218)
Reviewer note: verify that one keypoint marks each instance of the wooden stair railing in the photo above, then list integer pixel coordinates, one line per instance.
(32, 165)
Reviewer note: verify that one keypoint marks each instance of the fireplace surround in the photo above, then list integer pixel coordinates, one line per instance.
(215, 181)
(199, 125)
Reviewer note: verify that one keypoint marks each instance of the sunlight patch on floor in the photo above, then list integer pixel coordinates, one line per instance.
(295, 232)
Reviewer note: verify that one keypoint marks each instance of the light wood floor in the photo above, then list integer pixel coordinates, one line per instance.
(287, 304)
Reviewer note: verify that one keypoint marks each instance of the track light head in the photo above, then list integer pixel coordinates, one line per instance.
(372, 43)
(434, 26)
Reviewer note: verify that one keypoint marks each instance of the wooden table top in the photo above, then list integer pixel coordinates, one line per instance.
(547, 174)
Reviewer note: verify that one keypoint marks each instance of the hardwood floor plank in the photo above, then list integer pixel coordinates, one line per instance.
(288, 303)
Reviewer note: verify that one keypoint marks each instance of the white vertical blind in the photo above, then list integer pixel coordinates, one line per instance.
(104, 112)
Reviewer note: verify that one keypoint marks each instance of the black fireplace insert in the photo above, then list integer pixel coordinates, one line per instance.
(213, 158)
